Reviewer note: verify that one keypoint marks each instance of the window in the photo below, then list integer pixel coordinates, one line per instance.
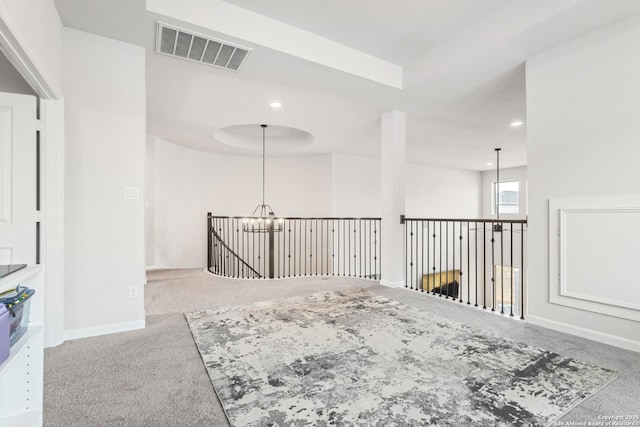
(508, 197)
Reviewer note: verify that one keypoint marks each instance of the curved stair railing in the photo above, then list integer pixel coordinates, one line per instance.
(294, 247)
(224, 261)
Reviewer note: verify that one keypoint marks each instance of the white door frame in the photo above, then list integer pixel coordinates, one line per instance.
(17, 51)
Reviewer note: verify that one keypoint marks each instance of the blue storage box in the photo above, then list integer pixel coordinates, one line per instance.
(18, 303)
(5, 321)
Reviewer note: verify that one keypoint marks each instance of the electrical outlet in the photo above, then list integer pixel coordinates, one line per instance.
(133, 292)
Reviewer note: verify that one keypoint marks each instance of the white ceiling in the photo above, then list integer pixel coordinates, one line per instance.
(462, 64)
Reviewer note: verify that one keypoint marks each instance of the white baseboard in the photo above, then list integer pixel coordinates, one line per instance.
(74, 334)
(399, 284)
(602, 337)
(155, 267)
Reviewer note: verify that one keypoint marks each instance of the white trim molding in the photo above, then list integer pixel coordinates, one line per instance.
(591, 254)
(17, 50)
(52, 139)
(590, 334)
(74, 334)
(390, 284)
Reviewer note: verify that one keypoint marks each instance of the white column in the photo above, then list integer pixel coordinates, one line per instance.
(393, 132)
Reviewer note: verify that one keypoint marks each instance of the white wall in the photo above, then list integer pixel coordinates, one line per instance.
(104, 84)
(189, 183)
(435, 192)
(509, 174)
(355, 186)
(37, 27)
(431, 191)
(583, 100)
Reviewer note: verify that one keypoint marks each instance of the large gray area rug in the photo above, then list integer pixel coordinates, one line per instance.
(355, 358)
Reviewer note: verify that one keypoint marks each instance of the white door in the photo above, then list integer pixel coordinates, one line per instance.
(17, 179)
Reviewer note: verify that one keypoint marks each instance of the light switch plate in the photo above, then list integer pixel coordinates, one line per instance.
(131, 193)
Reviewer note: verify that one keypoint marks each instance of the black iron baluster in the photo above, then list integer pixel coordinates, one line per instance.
(409, 245)
(370, 235)
(223, 256)
(333, 247)
(310, 247)
(522, 275)
(501, 225)
(360, 245)
(484, 264)
(433, 289)
(511, 265)
(468, 263)
(440, 251)
(220, 235)
(236, 260)
(326, 258)
(232, 248)
(223, 235)
(446, 262)
(367, 247)
(216, 242)
(453, 253)
(306, 244)
(295, 224)
(348, 234)
(209, 242)
(421, 278)
(288, 225)
(428, 259)
(225, 239)
(415, 279)
(355, 249)
(460, 287)
(338, 247)
(345, 242)
(321, 246)
(375, 249)
(493, 267)
(261, 266)
(330, 243)
(221, 252)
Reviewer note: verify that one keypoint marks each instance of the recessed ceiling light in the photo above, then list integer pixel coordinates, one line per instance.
(489, 164)
(275, 105)
(516, 124)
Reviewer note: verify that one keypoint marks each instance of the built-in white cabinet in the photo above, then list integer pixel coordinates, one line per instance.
(21, 375)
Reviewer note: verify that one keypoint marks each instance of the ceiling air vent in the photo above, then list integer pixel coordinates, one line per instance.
(175, 41)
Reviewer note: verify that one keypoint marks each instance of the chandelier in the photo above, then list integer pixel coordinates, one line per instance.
(262, 220)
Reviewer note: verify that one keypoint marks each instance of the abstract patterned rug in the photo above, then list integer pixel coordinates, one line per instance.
(355, 358)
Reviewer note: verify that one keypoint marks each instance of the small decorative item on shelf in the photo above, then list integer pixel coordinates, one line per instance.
(18, 303)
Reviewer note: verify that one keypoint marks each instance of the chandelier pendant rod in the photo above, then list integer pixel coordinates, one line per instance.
(264, 127)
(497, 183)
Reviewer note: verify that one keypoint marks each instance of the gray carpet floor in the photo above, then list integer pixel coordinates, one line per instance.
(155, 377)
